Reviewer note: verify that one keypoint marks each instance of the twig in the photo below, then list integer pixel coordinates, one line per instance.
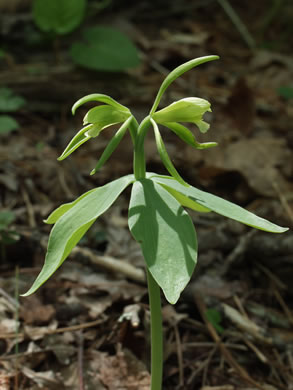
(179, 356)
(80, 360)
(236, 252)
(30, 209)
(240, 26)
(53, 331)
(226, 353)
(112, 264)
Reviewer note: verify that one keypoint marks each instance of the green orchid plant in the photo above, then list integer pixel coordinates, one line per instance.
(157, 217)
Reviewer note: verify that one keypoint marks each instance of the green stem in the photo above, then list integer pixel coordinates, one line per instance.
(139, 158)
(156, 333)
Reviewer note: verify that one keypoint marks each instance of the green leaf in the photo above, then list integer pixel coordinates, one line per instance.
(177, 72)
(187, 136)
(58, 16)
(215, 318)
(80, 138)
(218, 205)
(166, 235)
(112, 145)
(99, 97)
(286, 92)
(7, 124)
(164, 154)
(56, 214)
(10, 102)
(70, 228)
(105, 49)
(6, 218)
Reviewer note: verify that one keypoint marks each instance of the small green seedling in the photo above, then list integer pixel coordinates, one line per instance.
(7, 235)
(9, 102)
(157, 218)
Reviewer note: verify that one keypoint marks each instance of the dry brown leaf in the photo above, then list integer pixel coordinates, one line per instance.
(258, 160)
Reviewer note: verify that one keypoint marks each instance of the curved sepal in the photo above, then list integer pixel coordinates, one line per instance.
(80, 138)
(166, 235)
(71, 227)
(219, 205)
(164, 154)
(177, 72)
(187, 136)
(112, 145)
(98, 97)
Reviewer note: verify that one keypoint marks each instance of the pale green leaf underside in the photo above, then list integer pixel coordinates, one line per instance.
(166, 234)
(70, 228)
(219, 205)
(56, 214)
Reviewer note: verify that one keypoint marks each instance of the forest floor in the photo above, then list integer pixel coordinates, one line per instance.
(88, 326)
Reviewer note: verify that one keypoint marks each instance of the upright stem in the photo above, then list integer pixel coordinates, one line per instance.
(139, 158)
(156, 333)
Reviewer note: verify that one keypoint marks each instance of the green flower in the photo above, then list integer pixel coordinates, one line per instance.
(189, 109)
(96, 120)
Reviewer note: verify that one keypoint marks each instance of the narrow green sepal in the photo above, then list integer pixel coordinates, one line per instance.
(164, 155)
(112, 145)
(80, 138)
(187, 136)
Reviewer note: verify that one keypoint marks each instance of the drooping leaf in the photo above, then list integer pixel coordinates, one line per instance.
(187, 136)
(98, 97)
(7, 124)
(70, 228)
(9, 102)
(58, 16)
(164, 154)
(166, 235)
(56, 214)
(218, 205)
(112, 145)
(105, 49)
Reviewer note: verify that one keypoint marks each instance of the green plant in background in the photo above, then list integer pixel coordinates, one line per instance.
(7, 236)
(157, 219)
(58, 16)
(102, 49)
(9, 102)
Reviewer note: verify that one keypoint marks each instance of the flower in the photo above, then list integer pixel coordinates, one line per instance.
(189, 109)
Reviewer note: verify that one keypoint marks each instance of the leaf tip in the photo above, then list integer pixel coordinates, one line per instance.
(93, 171)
